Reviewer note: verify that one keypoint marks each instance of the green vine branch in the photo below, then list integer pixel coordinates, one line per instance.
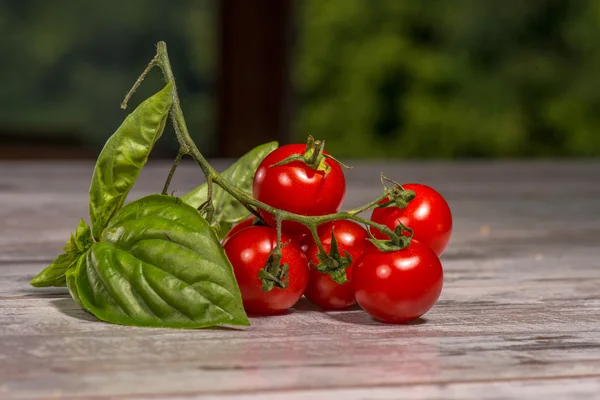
(172, 172)
(188, 147)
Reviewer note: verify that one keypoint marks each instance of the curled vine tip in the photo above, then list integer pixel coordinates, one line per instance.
(385, 179)
(396, 195)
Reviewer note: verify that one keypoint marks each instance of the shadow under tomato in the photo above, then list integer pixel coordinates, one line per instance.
(305, 305)
(359, 317)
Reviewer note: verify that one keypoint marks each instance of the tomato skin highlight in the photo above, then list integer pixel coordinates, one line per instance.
(322, 290)
(306, 241)
(238, 227)
(398, 286)
(428, 215)
(299, 238)
(297, 188)
(248, 251)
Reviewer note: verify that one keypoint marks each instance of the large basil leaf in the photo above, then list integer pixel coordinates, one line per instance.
(124, 155)
(54, 274)
(240, 174)
(159, 264)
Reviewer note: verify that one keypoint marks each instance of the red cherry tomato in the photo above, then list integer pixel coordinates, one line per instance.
(248, 251)
(398, 286)
(238, 227)
(298, 238)
(321, 289)
(296, 187)
(306, 241)
(428, 215)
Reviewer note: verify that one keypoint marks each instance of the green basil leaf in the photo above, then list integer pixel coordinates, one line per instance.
(124, 155)
(83, 236)
(221, 228)
(71, 280)
(54, 274)
(159, 264)
(240, 174)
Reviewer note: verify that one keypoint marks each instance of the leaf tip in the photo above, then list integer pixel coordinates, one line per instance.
(241, 320)
(35, 282)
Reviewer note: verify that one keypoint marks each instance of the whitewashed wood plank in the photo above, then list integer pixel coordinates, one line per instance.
(579, 388)
(519, 314)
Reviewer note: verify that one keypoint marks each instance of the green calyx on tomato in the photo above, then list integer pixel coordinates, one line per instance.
(274, 274)
(397, 196)
(314, 156)
(403, 233)
(333, 263)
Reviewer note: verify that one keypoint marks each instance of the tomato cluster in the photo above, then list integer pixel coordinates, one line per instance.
(392, 284)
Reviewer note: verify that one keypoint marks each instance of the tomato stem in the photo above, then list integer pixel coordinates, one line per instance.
(315, 235)
(367, 206)
(317, 154)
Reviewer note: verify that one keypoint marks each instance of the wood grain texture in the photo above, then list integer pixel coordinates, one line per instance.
(518, 317)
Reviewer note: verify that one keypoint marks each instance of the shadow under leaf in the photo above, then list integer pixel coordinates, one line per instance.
(68, 307)
(46, 293)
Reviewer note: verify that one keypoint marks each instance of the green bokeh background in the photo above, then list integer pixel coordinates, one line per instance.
(375, 78)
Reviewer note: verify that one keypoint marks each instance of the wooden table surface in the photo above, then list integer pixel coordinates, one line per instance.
(518, 316)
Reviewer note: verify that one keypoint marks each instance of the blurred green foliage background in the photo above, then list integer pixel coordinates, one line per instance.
(67, 64)
(375, 78)
(451, 78)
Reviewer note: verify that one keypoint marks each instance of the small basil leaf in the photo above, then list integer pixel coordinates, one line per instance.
(71, 278)
(159, 264)
(54, 274)
(83, 235)
(240, 174)
(124, 155)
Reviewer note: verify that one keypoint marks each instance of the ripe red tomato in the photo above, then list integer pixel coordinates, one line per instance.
(248, 251)
(321, 289)
(398, 286)
(238, 227)
(305, 242)
(428, 215)
(299, 238)
(296, 187)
